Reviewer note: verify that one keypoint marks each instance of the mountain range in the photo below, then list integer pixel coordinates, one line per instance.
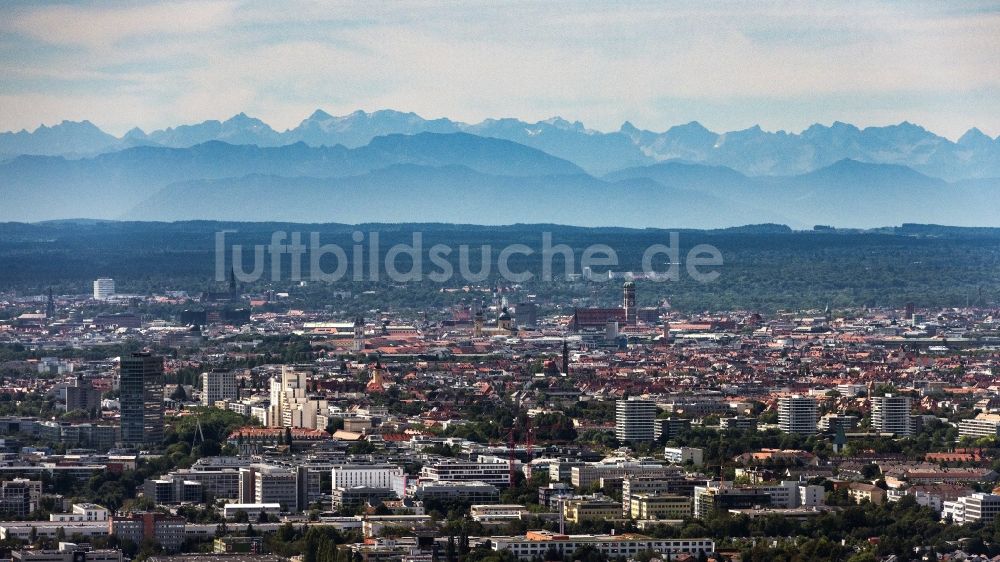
(397, 167)
(750, 151)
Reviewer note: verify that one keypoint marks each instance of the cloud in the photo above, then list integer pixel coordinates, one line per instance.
(600, 62)
(103, 27)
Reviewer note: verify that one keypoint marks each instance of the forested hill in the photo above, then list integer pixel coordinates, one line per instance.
(766, 267)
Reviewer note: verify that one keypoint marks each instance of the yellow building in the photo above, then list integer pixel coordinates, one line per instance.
(579, 510)
(660, 506)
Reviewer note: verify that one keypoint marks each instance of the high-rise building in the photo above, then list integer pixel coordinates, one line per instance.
(291, 405)
(82, 396)
(218, 384)
(668, 428)
(797, 414)
(526, 314)
(289, 487)
(104, 288)
(891, 414)
(50, 306)
(141, 383)
(634, 419)
(628, 302)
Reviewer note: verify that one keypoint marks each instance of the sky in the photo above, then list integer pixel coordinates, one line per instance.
(729, 65)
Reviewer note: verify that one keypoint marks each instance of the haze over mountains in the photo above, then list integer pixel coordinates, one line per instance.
(389, 166)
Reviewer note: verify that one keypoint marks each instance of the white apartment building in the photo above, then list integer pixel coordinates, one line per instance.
(891, 414)
(291, 405)
(971, 509)
(218, 385)
(253, 510)
(535, 544)
(983, 425)
(367, 475)
(497, 513)
(82, 512)
(797, 414)
(104, 289)
(787, 494)
(634, 419)
(264, 484)
(681, 455)
(262, 414)
(583, 476)
(495, 473)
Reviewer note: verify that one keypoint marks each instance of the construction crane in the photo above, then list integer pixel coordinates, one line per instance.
(197, 433)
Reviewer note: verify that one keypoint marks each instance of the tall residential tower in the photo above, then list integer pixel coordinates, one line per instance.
(797, 414)
(634, 419)
(141, 384)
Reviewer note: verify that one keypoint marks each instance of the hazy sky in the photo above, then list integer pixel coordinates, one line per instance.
(729, 65)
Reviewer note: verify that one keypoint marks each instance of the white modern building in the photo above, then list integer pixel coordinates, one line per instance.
(291, 405)
(891, 414)
(616, 467)
(253, 510)
(797, 414)
(218, 385)
(681, 455)
(104, 288)
(535, 544)
(367, 475)
(82, 512)
(498, 513)
(983, 425)
(972, 509)
(495, 473)
(265, 484)
(787, 494)
(634, 419)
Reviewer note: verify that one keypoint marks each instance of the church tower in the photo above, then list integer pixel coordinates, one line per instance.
(477, 325)
(504, 320)
(359, 335)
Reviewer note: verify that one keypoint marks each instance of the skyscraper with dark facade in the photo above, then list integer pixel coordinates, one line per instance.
(141, 384)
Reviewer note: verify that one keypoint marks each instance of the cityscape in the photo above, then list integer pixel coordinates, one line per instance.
(486, 335)
(498, 429)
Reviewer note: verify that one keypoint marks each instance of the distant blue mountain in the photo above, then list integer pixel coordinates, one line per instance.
(452, 194)
(753, 151)
(67, 138)
(847, 193)
(501, 171)
(107, 185)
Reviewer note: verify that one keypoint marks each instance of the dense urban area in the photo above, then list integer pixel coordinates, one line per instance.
(495, 429)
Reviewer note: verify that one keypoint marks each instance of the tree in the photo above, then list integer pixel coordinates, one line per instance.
(179, 395)
(334, 424)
